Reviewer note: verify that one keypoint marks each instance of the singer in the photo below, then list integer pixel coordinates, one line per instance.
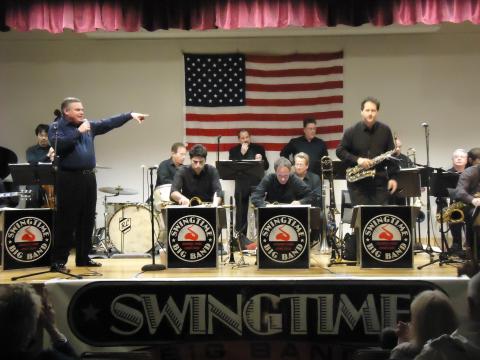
(362, 142)
(245, 150)
(72, 137)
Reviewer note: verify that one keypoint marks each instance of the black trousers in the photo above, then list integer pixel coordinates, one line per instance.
(369, 191)
(75, 216)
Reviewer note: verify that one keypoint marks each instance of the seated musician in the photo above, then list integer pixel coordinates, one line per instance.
(199, 180)
(40, 152)
(281, 187)
(468, 187)
(168, 168)
(311, 179)
(459, 164)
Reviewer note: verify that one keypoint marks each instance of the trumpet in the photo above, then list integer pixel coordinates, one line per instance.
(196, 201)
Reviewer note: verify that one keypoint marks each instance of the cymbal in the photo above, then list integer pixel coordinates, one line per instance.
(118, 190)
(102, 167)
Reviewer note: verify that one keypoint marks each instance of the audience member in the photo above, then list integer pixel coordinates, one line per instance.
(463, 343)
(22, 313)
(432, 315)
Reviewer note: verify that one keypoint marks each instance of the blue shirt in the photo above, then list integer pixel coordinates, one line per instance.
(75, 150)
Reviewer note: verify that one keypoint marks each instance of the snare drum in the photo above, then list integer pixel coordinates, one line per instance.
(130, 229)
(161, 196)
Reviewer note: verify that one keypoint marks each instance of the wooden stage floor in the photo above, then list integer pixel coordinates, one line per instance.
(130, 268)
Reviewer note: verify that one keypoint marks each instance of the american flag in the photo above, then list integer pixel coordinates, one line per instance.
(268, 95)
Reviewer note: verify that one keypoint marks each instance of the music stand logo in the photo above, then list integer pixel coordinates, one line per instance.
(191, 238)
(28, 239)
(283, 239)
(386, 238)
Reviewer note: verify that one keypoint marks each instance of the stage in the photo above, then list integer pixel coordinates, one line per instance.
(236, 310)
(130, 268)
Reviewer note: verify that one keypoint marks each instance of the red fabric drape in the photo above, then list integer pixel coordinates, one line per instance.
(131, 15)
(80, 16)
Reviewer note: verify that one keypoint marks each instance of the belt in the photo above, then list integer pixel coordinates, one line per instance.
(84, 172)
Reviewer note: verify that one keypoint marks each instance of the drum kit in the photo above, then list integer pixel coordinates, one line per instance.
(127, 225)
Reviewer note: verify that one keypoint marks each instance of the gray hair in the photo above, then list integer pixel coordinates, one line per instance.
(20, 308)
(302, 155)
(282, 162)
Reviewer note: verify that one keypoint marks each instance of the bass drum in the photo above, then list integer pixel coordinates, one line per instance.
(130, 229)
(161, 196)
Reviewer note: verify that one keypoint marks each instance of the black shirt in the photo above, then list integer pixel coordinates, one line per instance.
(253, 149)
(468, 184)
(273, 191)
(203, 185)
(362, 141)
(166, 172)
(315, 149)
(37, 153)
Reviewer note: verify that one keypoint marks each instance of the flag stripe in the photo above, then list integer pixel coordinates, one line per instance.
(296, 102)
(263, 117)
(295, 72)
(275, 59)
(258, 132)
(294, 87)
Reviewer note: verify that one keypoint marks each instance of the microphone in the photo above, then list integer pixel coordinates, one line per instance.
(153, 167)
(424, 124)
(219, 137)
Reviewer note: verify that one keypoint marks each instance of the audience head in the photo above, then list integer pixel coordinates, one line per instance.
(388, 338)
(282, 167)
(473, 297)
(432, 315)
(20, 308)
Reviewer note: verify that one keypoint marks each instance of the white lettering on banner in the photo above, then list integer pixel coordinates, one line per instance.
(262, 314)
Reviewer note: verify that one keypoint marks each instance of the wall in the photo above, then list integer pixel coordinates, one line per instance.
(418, 78)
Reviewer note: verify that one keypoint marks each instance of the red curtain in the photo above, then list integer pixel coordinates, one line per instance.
(131, 15)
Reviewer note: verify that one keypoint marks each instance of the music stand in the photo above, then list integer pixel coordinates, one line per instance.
(37, 174)
(440, 183)
(237, 170)
(408, 181)
(32, 174)
(232, 170)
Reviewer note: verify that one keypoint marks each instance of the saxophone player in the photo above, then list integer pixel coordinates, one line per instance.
(364, 145)
(467, 191)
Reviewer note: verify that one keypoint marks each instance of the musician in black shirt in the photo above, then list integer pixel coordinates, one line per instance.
(198, 180)
(361, 143)
(245, 150)
(467, 190)
(168, 168)
(282, 187)
(308, 143)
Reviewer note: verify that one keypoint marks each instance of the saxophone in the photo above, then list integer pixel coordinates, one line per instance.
(453, 213)
(358, 173)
